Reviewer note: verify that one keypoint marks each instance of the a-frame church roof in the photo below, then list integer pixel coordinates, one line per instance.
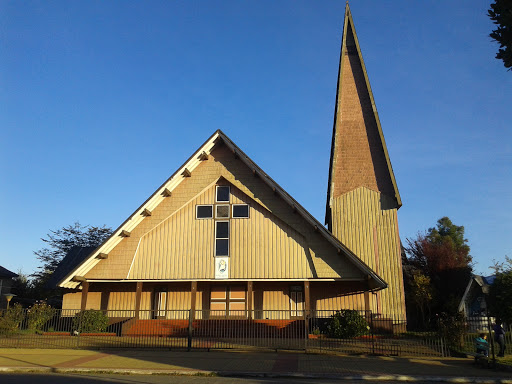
(359, 155)
(74, 273)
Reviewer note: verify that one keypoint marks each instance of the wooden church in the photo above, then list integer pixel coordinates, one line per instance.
(223, 239)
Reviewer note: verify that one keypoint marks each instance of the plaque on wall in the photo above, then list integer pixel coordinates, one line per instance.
(222, 267)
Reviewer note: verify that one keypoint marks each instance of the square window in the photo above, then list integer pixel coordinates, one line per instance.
(204, 211)
(241, 210)
(222, 193)
(222, 247)
(222, 211)
(222, 230)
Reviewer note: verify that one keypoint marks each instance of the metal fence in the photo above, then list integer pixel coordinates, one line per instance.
(483, 325)
(312, 331)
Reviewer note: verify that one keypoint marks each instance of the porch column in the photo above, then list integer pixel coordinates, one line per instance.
(307, 298)
(85, 292)
(249, 300)
(138, 295)
(367, 307)
(193, 296)
(307, 307)
(367, 301)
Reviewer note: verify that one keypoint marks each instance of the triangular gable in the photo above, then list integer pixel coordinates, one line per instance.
(347, 148)
(6, 274)
(187, 170)
(261, 246)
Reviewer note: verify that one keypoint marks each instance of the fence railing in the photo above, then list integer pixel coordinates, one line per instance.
(348, 332)
(483, 325)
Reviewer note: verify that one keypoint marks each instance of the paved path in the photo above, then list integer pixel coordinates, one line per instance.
(265, 364)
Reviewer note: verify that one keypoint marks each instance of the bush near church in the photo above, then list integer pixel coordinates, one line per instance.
(38, 315)
(11, 319)
(346, 324)
(90, 321)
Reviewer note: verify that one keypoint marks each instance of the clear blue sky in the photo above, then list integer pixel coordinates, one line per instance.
(100, 102)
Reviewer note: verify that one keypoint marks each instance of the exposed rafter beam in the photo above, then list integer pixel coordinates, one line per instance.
(146, 212)
(166, 193)
(102, 256)
(186, 173)
(125, 233)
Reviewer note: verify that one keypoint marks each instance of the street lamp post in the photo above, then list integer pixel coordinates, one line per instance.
(485, 291)
(8, 297)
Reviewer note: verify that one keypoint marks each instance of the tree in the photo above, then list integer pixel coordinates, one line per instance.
(500, 292)
(21, 285)
(501, 15)
(421, 294)
(442, 256)
(59, 243)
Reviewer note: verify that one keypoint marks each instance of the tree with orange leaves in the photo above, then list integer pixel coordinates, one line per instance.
(442, 255)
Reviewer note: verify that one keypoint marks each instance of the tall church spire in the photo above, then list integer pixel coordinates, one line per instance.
(359, 156)
(362, 195)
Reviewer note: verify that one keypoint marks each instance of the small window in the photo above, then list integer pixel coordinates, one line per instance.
(222, 211)
(204, 211)
(222, 247)
(222, 238)
(241, 210)
(222, 230)
(222, 193)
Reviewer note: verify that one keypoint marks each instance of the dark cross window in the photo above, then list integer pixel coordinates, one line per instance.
(222, 238)
(222, 193)
(223, 209)
(240, 211)
(204, 211)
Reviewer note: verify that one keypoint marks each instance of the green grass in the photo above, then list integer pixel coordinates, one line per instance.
(507, 360)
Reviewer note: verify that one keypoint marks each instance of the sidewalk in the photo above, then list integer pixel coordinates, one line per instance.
(282, 364)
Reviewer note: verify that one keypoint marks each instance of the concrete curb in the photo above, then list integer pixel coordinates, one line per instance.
(186, 372)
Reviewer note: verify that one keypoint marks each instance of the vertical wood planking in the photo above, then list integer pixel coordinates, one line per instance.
(355, 214)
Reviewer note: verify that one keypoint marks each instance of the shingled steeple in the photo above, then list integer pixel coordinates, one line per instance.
(362, 195)
(359, 156)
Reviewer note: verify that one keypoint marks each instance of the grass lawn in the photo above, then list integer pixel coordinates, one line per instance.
(507, 360)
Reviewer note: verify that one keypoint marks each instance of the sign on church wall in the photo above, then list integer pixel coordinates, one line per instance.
(222, 267)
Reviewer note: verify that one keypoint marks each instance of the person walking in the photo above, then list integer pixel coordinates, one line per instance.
(499, 337)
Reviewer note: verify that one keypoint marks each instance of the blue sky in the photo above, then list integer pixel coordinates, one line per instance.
(100, 102)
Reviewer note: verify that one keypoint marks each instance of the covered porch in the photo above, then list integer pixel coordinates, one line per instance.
(174, 305)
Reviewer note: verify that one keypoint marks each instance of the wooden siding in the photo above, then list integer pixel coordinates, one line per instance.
(182, 247)
(71, 302)
(274, 242)
(271, 300)
(330, 297)
(366, 222)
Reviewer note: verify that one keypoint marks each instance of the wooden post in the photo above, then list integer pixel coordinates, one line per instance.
(307, 308)
(138, 295)
(192, 313)
(193, 297)
(307, 298)
(367, 302)
(367, 307)
(85, 292)
(249, 300)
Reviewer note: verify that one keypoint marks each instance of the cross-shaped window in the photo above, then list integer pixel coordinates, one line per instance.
(223, 211)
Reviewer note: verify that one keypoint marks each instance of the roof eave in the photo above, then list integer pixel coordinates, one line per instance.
(207, 147)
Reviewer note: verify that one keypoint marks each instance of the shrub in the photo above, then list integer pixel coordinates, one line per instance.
(346, 324)
(453, 328)
(38, 315)
(90, 320)
(11, 319)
